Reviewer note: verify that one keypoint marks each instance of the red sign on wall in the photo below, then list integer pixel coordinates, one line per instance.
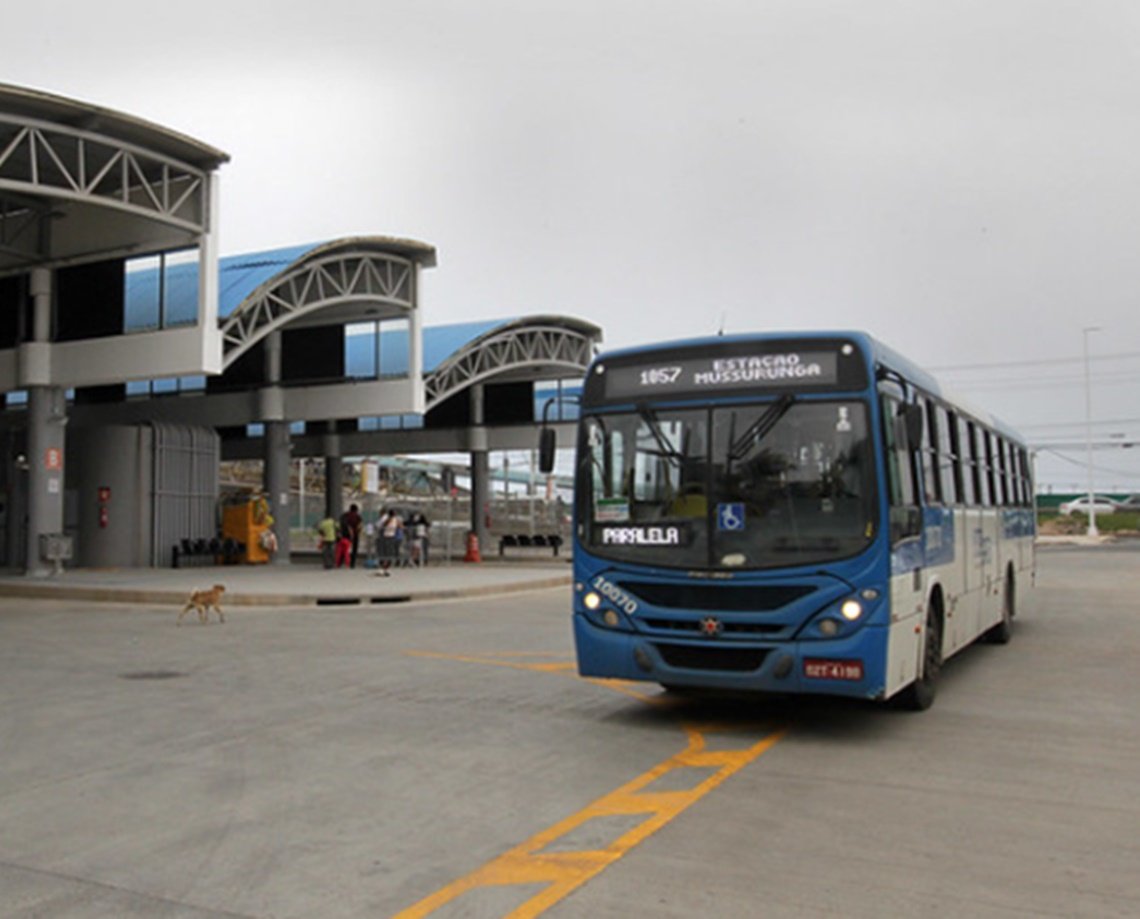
(53, 458)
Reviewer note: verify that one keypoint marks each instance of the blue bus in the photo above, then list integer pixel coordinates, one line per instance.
(801, 513)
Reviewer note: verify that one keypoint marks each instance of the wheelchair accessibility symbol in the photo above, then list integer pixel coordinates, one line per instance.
(730, 517)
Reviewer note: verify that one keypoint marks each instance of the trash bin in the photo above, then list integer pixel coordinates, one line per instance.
(56, 548)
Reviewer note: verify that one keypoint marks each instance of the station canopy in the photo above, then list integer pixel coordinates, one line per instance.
(79, 182)
(360, 282)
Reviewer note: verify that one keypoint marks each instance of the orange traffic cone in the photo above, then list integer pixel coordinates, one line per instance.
(472, 548)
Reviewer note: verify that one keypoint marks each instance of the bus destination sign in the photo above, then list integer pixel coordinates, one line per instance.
(640, 535)
(722, 373)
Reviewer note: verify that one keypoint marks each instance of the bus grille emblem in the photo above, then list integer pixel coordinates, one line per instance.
(711, 626)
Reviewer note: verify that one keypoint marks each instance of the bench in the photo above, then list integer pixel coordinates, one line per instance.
(192, 552)
(525, 541)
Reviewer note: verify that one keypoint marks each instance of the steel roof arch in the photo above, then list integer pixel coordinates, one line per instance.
(64, 158)
(350, 279)
(534, 344)
(60, 110)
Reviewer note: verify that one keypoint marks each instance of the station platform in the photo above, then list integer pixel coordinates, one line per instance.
(301, 583)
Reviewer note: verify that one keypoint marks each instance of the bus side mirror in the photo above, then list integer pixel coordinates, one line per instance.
(912, 422)
(546, 447)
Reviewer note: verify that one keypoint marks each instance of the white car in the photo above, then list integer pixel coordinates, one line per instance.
(1100, 505)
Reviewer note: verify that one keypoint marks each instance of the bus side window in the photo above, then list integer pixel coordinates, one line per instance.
(948, 471)
(992, 498)
(1026, 478)
(1007, 492)
(902, 485)
(977, 467)
(1018, 484)
(968, 471)
(932, 485)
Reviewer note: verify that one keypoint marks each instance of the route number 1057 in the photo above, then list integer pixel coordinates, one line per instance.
(660, 376)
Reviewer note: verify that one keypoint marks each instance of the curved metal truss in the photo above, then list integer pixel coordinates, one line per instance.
(316, 284)
(541, 347)
(42, 160)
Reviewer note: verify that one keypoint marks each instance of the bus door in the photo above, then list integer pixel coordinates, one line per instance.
(908, 587)
(988, 543)
(972, 538)
(978, 545)
(946, 536)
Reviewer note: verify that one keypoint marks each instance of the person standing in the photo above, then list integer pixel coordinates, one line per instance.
(350, 525)
(343, 548)
(370, 541)
(391, 527)
(415, 539)
(326, 530)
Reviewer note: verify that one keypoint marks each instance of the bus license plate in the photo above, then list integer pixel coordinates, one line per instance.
(817, 669)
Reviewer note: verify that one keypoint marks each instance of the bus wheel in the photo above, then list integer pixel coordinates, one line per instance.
(919, 695)
(1001, 633)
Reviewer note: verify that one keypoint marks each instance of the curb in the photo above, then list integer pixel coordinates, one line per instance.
(235, 598)
(1077, 539)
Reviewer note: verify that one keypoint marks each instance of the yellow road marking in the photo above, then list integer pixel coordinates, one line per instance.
(553, 667)
(627, 687)
(564, 872)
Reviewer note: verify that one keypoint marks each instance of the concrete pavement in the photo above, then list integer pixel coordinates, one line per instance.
(351, 763)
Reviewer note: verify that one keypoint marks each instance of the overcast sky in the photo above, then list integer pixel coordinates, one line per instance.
(961, 179)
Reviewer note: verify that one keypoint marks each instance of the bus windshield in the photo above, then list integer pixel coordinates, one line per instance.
(772, 484)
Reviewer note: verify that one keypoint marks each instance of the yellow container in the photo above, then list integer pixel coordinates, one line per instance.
(245, 523)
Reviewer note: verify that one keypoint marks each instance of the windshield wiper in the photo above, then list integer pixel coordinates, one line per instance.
(667, 449)
(760, 428)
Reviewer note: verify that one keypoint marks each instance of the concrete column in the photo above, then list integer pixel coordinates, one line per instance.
(480, 469)
(416, 346)
(334, 475)
(480, 497)
(47, 415)
(40, 288)
(273, 357)
(46, 419)
(277, 448)
(208, 283)
(12, 445)
(277, 469)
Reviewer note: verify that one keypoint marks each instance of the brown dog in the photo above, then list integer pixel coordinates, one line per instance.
(202, 600)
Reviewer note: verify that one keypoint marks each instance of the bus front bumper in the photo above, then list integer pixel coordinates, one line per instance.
(851, 666)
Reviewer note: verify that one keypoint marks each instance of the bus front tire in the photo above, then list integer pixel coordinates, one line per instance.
(919, 695)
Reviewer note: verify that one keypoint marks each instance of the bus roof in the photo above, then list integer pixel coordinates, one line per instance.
(880, 353)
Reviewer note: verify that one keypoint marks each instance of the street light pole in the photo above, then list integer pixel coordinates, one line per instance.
(1088, 430)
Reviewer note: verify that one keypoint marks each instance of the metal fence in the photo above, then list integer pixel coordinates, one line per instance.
(450, 518)
(185, 486)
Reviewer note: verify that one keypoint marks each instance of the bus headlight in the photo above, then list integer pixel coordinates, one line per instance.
(611, 618)
(592, 600)
(844, 617)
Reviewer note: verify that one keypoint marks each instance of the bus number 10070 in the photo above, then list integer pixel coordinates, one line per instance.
(660, 376)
